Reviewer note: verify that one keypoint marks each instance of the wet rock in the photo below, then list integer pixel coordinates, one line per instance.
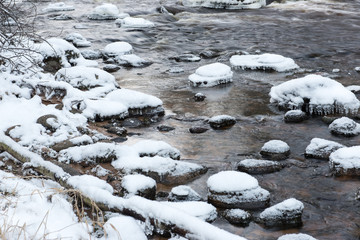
(345, 126)
(134, 22)
(328, 119)
(164, 128)
(120, 131)
(275, 150)
(357, 69)
(321, 148)
(286, 214)
(357, 195)
(199, 97)
(60, 17)
(132, 60)
(198, 129)
(146, 111)
(211, 75)
(139, 185)
(116, 49)
(119, 139)
(222, 121)
(208, 54)
(345, 161)
(294, 116)
(49, 122)
(225, 4)
(255, 166)
(132, 123)
(63, 145)
(187, 57)
(91, 54)
(231, 189)
(296, 236)
(176, 70)
(111, 68)
(183, 193)
(237, 217)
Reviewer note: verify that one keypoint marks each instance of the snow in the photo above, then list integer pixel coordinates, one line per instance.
(87, 183)
(117, 49)
(106, 11)
(325, 95)
(123, 227)
(257, 163)
(345, 126)
(354, 88)
(104, 108)
(183, 191)
(321, 148)
(57, 7)
(78, 40)
(296, 236)
(211, 75)
(221, 118)
(131, 60)
(263, 61)
(275, 146)
(237, 213)
(100, 171)
(201, 210)
(133, 184)
(225, 4)
(345, 158)
(357, 69)
(86, 77)
(231, 181)
(290, 205)
(134, 22)
(152, 147)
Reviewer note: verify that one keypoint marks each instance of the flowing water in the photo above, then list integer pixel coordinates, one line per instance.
(319, 35)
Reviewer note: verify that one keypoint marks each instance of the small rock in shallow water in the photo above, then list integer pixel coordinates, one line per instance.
(275, 150)
(207, 54)
(286, 214)
(294, 116)
(187, 57)
(328, 119)
(60, 17)
(237, 216)
(120, 131)
(134, 22)
(321, 148)
(255, 166)
(211, 75)
(199, 97)
(111, 68)
(345, 126)
(183, 193)
(296, 236)
(91, 54)
(164, 128)
(132, 123)
(345, 161)
(198, 129)
(222, 121)
(357, 69)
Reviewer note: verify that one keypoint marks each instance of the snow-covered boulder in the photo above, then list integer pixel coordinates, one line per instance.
(85, 78)
(58, 7)
(231, 189)
(131, 60)
(315, 94)
(346, 161)
(211, 75)
(140, 185)
(199, 97)
(106, 11)
(116, 49)
(202, 210)
(183, 193)
(222, 121)
(153, 148)
(78, 40)
(103, 109)
(237, 216)
(225, 4)
(321, 148)
(285, 214)
(255, 166)
(91, 54)
(186, 57)
(134, 22)
(345, 126)
(294, 116)
(275, 150)
(296, 236)
(123, 227)
(264, 61)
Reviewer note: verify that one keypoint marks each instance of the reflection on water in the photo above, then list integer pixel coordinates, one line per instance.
(319, 41)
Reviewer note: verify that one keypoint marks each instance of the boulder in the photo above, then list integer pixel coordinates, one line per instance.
(131, 60)
(111, 68)
(275, 150)
(286, 214)
(183, 193)
(138, 185)
(165, 128)
(91, 54)
(345, 161)
(231, 189)
(345, 126)
(211, 75)
(237, 217)
(255, 166)
(116, 49)
(222, 121)
(294, 116)
(321, 148)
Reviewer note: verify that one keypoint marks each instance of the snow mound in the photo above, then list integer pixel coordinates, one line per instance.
(134, 22)
(134, 184)
(85, 77)
(275, 146)
(106, 11)
(101, 109)
(296, 236)
(316, 95)
(57, 7)
(345, 126)
(225, 4)
(132, 60)
(263, 61)
(88, 183)
(346, 161)
(123, 227)
(78, 40)
(321, 148)
(183, 193)
(202, 210)
(211, 75)
(152, 148)
(116, 49)
(231, 181)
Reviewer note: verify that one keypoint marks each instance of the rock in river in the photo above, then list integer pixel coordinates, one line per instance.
(275, 150)
(345, 126)
(237, 216)
(321, 148)
(211, 75)
(346, 161)
(183, 193)
(294, 116)
(296, 236)
(222, 121)
(138, 185)
(255, 166)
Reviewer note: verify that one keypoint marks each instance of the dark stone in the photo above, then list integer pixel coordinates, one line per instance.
(52, 64)
(328, 119)
(119, 139)
(111, 68)
(162, 195)
(208, 54)
(254, 166)
(91, 54)
(198, 129)
(63, 145)
(344, 126)
(237, 217)
(120, 131)
(294, 116)
(199, 97)
(46, 91)
(275, 155)
(132, 123)
(222, 123)
(183, 193)
(164, 128)
(43, 120)
(147, 111)
(187, 57)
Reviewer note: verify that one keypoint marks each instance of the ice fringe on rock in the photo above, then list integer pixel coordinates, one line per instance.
(211, 75)
(226, 4)
(134, 22)
(296, 236)
(264, 61)
(346, 161)
(321, 148)
(316, 95)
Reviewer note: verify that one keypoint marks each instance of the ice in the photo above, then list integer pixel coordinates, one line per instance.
(123, 227)
(57, 7)
(231, 181)
(264, 61)
(211, 75)
(226, 4)
(296, 236)
(133, 184)
(316, 95)
(117, 49)
(134, 22)
(275, 146)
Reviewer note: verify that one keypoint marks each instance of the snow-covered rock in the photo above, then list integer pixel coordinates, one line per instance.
(102, 109)
(316, 95)
(275, 150)
(237, 216)
(153, 148)
(296, 236)
(91, 54)
(99, 171)
(123, 227)
(264, 61)
(116, 49)
(285, 214)
(321, 148)
(138, 185)
(106, 11)
(346, 161)
(255, 166)
(222, 121)
(211, 75)
(186, 57)
(345, 126)
(58, 7)
(199, 97)
(231, 189)
(294, 116)
(202, 210)
(86, 77)
(134, 22)
(226, 4)
(131, 60)
(183, 193)
(78, 40)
